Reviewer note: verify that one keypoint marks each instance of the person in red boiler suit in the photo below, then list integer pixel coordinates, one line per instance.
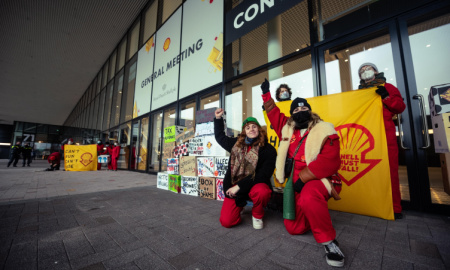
(392, 104)
(115, 156)
(108, 151)
(55, 160)
(99, 152)
(317, 159)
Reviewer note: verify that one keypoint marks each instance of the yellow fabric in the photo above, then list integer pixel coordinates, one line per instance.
(80, 157)
(358, 119)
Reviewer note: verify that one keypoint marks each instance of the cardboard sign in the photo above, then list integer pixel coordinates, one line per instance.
(205, 166)
(221, 166)
(219, 189)
(181, 150)
(189, 185)
(185, 136)
(175, 183)
(167, 153)
(211, 147)
(188, 166)
(103, 159)
(170, 133)
(162, 181)
(204, 129)
(195, 147)
(172, 166)
(207, 187)
(204, 116)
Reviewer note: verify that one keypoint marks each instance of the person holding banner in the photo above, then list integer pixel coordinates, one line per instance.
(107, 150)
(317, 157)
(69, 142)
(392, 104)
(99, 152)
(252, 162)
(115, 155)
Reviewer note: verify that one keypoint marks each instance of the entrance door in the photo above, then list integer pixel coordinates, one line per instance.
(384, 46)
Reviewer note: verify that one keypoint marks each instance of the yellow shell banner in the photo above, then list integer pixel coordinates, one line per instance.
(80, 157)
(358, 119)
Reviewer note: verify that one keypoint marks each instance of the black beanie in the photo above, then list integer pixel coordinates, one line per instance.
(299, 102)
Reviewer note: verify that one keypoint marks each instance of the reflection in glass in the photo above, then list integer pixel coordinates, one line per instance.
(143, 149)
(430, 54)
(169, 120)
(209, 101)
(135, 145)
(155, 153)
(128, 93)
(124, 141)
(187, 117)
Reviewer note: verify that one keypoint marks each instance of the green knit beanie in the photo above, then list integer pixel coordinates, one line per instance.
(250, 119)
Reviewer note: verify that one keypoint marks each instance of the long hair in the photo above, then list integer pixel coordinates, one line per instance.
(279, 90)
(315, 118)
(261, 141)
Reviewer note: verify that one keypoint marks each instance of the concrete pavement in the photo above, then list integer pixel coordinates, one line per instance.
(120, 220)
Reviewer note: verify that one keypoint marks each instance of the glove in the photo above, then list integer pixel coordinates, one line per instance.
(265, 86)
(382, 92)
(298, 186)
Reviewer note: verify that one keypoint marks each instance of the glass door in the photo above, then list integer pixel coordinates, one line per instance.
(135, 139)
(425, 43)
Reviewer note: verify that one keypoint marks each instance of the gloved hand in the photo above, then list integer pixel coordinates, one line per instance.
(298, 186)
(382, 91)
(265, 86)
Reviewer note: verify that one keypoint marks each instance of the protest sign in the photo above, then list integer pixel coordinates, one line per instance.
(204, 129)
(189, 185)
(172, 166)
(195, 147)
(162, 181)
(205, 166)
(211, 147)
(188, 166)
(219, 189)
(221, 166)
(207, 187)
(174, 183)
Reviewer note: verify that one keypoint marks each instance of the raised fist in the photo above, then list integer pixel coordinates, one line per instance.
(219, 112)
(265, 86)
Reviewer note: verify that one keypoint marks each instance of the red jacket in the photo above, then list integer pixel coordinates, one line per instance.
(57, 156)
(392, 105)
(115, 152)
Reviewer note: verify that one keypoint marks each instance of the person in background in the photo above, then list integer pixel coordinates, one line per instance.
(115, 155)
(314, 146)
(55, 161)
(107, 150)
(283, 93)
(69, 142)
(99, 152)
(26, 154)
(15, 154)
(252, 161)
(392, 104)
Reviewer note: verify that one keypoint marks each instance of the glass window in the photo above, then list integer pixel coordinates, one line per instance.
(135, 144)
(117, 99)
(150, 17)
(108, 101)
(210, 101)
(95, 115)
(342, 62)
(124, 140)
(187, 117)
(99, 82)
(40, 128)
(283, 35)
(169, 7)
(243, 97)
(155, 153)
(143, 149)
(428, 41)
(134, 40)
(112, 65)
(105, 74)
(101, 109)
(128, 92)
(169, 120)
(122, 52)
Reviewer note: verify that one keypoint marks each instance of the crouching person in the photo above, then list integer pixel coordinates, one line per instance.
(251, 165)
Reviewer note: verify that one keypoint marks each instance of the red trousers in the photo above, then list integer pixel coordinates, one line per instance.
(114, 163)
(99, 166)
(230, 215)
(311, 212)
(393, 165)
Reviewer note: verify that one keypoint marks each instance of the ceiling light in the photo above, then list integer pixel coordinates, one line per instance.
(346, 50)
(346, 60)
(369, 49)
(297, 50)
(428, 45)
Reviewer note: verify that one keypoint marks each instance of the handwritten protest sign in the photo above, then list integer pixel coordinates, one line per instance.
(219, 189)
(205, 166)
(162, 181)
(166, 154)
(175, 183)
(221, 166)
(172, 166)
(204, 116)
(211, 147)
(204, 129)
(195, 147)
(189, 185)
(170, 133)
(185, 136)
(207, 187)
(181, 150)
(188, 166)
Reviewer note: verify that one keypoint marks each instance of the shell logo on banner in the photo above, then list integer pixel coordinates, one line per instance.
(149, 44)
(166, 44)
(86, 159)
(356, 141)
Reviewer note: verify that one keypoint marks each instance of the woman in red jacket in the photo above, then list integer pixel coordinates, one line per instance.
(392, 104)
(317, 158)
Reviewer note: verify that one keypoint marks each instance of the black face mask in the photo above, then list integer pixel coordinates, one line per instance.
(302, 119)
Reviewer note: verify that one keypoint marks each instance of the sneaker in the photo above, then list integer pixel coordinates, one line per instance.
(334, 255)
(257, 223)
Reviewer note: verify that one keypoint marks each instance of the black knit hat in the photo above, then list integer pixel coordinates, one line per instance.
(299, 102)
